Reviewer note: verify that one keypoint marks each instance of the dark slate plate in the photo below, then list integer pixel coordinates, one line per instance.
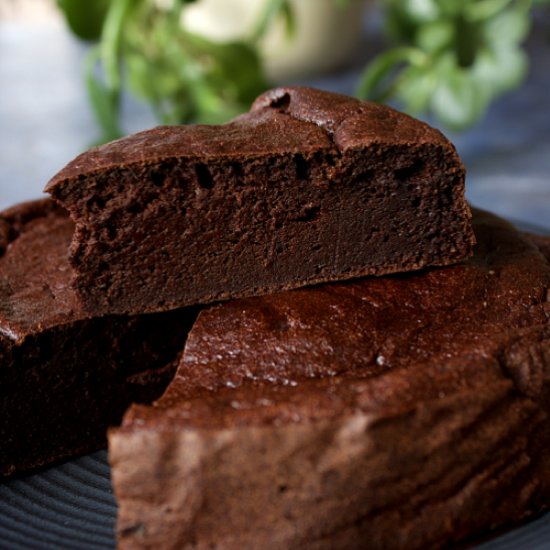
(71, 506)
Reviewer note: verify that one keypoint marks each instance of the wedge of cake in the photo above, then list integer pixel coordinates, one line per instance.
(406, 411)
(308, 187)
(65, 377)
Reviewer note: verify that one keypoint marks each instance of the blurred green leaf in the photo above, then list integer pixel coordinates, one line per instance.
(458, 100)
(415, 88)
(502, 68)
(472, 53)
(416, 11)
(485, 9)
(511, 26)
(273, 9)
(376, 82)
(104, 101)
(141, 76)
(85, 18)
(435, 36)
(111, 40)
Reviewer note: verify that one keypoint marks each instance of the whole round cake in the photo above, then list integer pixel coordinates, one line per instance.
(406, 411)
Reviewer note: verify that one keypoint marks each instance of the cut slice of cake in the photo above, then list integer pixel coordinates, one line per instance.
(65, 377)
(406, 411)
(308, 187)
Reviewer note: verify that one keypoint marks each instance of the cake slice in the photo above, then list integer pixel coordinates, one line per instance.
(65, 377)
(405, 411)
(308, 187)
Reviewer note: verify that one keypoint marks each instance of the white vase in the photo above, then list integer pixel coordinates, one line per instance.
(326, 34)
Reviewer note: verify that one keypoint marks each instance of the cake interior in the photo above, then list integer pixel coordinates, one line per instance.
(267, 202)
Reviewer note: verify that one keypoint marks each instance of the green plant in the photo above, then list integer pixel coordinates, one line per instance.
(184, 77)
(450, 58)
(85, 18)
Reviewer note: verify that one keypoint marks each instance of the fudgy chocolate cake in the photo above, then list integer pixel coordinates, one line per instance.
(405, 411)
(64, 378)
(308, 187)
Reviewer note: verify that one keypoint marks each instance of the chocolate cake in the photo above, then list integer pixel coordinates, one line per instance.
(308, 187)
(407, 411)
(64, 377)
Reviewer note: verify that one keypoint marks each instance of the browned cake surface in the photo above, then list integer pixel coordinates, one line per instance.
(65, 377)
(308, 187)
(399, 412)
(34, 269)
